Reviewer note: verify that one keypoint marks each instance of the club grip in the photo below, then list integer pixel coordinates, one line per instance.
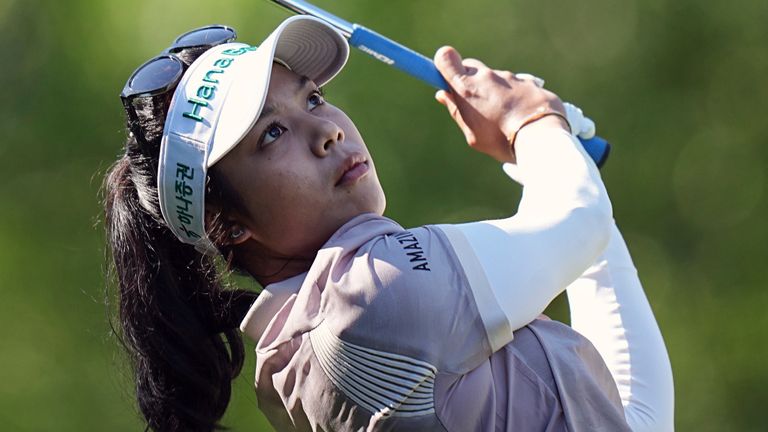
(597, 149)
(421, 67)
(394, 54)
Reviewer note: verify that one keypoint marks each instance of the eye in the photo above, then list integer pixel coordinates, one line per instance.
(271, 133)
(315, 99)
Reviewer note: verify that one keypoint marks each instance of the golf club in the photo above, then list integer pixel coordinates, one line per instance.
(407, 60)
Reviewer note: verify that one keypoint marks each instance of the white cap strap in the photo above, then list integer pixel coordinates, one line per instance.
(189, 130)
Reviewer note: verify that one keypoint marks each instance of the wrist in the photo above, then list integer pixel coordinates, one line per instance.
(548, 120)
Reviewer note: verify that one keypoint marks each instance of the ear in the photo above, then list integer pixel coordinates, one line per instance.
(231, 230)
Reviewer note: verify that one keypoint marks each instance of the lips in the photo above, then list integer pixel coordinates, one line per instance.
(354, 167)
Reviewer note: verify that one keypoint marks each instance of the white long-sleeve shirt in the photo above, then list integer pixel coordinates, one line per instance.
(562, 226)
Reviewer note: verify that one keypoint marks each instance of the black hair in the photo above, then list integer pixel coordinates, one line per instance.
(177, 319)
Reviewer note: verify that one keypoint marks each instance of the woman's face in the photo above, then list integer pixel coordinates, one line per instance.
(301, 172)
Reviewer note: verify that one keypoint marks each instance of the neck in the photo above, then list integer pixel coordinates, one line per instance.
(268, 267)
(279, 269)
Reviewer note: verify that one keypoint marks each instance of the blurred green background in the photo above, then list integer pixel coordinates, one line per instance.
(679, 87)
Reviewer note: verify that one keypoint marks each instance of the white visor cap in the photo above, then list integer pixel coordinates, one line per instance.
(216, 103)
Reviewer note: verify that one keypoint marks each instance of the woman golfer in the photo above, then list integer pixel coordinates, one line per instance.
(234, 153)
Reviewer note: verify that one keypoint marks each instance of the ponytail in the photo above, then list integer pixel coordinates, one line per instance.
(177, 322)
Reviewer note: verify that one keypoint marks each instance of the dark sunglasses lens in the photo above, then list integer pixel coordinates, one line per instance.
(207, 36)
(155, 75)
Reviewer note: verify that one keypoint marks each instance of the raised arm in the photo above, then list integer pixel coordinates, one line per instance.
(564, 216)
(517, 265)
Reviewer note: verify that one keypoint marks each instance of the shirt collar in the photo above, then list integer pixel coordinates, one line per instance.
(269, 302)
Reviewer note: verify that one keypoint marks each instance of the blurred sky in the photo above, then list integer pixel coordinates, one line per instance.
(679, 88)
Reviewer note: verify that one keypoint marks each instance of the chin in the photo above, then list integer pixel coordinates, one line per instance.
(382, 205)
(376, 201)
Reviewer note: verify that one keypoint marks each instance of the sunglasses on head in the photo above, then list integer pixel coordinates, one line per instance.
(163, 72)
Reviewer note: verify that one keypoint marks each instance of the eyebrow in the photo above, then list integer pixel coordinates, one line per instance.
(301, 84)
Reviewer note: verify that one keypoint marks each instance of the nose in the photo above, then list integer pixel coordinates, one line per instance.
(326, 135)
